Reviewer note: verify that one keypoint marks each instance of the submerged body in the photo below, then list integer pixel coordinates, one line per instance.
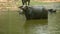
(35, 12)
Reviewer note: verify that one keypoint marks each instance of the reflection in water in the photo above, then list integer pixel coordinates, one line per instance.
(36, 26)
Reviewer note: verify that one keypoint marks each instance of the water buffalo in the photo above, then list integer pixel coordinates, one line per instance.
(35, 12)
(25, 2)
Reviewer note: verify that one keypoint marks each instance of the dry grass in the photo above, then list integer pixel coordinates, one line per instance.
(13, 5)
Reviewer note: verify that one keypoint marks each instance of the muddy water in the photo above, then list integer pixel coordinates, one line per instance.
(36, 27)
(54, 23)
(13, 23)
(19, 24)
